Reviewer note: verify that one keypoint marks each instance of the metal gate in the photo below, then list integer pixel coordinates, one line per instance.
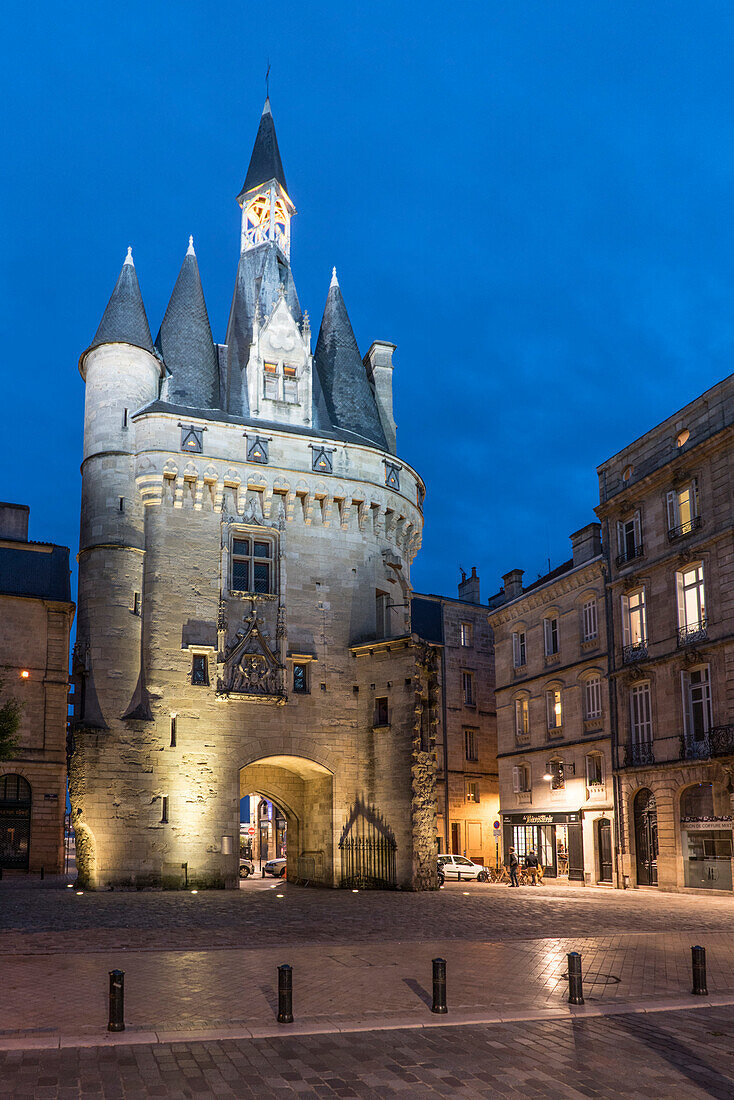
(368, 850)
(15, 821)
(646, 837)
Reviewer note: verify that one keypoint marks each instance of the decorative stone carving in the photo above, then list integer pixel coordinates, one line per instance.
(250, 668)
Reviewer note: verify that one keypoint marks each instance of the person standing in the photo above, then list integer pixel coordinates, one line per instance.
(512, 863)
(532, 864)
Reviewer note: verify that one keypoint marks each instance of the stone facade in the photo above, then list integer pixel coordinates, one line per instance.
(467, 789)
(36, 613)
(244, 583)
(553, 716)
(666, 507)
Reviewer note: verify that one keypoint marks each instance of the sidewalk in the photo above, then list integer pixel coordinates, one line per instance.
(61, 1000)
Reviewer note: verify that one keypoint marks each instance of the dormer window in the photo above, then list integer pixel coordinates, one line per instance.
(270, 378)
(290, 384)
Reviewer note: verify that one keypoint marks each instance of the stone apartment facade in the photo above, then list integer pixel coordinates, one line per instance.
(667, 514)
(553, 717)
(467, 789)
(247, 532)
(36, 613)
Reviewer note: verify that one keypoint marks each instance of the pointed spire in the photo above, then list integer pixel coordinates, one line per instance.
(265, 162)
(348, 394)
(334, 280)
(124, 320)
(185, 341)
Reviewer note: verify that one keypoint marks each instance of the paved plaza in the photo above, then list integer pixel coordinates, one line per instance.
(201, 992)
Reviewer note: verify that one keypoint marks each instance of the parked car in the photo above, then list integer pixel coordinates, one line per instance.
(459, 867)
(275, 867)
(247, 868)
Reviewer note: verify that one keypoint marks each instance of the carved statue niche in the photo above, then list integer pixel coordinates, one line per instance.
(250, 666)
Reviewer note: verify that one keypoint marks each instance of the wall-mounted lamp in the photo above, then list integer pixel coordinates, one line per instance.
(24, 674)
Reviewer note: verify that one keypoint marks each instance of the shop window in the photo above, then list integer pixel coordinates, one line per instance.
(697, 802)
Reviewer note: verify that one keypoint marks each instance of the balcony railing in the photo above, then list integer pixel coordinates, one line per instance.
(684, 528)
(694, 632)
(639, 753)
(635, 652)
(629, 555)
(718, 741)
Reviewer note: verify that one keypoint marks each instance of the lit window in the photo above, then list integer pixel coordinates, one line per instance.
(683, 509)
(467, 634)
(522, 716)
(629, 539)
(634, 620)
(591, 627)
(554, 708)
(518, 648)
(472, 791)
(550, 635)
(467, 683)
(682, 438)
(691, 602)
(557, 773)
(252, 565)
(270, 381)
(290, 385)
(592, 697)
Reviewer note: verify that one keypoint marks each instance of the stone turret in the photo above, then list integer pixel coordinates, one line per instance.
(185, 341)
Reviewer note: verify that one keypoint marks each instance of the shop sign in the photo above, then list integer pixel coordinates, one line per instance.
(541, 819)
(699, 824)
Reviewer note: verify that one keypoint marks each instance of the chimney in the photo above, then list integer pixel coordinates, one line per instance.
(513, 583)
(469, 586)
(379, 366)
(14, 522)
(586, 543)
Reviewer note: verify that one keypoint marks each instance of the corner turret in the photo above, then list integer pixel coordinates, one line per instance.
(185, 341)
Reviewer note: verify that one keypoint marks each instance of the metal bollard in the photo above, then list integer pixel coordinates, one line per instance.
(575, 986)
(285, 994)
(117, 1001)
(43, 873)
(439, 987)
(698, 959)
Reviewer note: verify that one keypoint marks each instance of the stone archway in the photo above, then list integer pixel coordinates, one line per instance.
(304, 790)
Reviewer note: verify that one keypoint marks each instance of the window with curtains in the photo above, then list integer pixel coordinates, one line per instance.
(683, 515)
(554, 708)
(691, 597)
(634, 624)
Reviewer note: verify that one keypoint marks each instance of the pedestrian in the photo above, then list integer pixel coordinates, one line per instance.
(532, 863)
(512, 863)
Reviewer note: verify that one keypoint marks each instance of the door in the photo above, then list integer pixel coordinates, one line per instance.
(456, 837)
(575, 853)
(646, 837)
(604, 844)
(15, 821)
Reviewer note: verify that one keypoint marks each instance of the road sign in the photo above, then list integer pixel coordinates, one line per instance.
(251, 830)
(496, 827)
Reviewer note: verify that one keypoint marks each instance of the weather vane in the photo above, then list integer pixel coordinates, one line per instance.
(267, 81)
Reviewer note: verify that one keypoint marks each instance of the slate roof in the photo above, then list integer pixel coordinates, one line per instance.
(260, 272)
(349, 397)
(29, 570)
(124, 321)
(185, 341)
(265, 162)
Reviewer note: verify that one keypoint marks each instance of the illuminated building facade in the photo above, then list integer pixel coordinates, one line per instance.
(247, 533)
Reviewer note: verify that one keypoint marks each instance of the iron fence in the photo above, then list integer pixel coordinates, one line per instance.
(368, 862)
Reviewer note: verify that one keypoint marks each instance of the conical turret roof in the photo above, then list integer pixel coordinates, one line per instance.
(347, 391)
(124, 321)
(185, 341)
(265, 162)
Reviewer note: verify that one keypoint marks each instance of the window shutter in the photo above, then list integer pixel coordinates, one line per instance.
(638, 531)
(516, 780)
(625, 621)
(672, 511)
(694, 497)
(685, 687)
(620, 537)
(589, 770)
(681, 600)
(546, 636)
(515, 650)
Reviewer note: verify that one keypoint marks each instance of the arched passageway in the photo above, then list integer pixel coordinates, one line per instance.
(303, 791)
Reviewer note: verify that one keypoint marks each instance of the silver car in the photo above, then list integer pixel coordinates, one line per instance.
(459, 867)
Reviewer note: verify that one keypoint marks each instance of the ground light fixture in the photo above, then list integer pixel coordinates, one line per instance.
(280, 895)
(79, 893)
(194, 891)
(70, 886)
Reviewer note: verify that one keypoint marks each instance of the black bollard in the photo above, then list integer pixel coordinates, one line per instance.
(117, 1001)
(285, 994)
(698, 959)
(575, 986)
(439, 987)
(43, 873)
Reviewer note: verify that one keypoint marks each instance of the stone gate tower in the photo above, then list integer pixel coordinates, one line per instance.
(246, 538)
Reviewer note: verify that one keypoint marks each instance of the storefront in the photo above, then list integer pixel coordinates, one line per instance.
(707, 852)
(556, 838)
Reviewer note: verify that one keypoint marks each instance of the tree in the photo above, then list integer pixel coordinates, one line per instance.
(9, 726)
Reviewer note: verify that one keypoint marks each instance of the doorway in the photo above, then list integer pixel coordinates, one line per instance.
(455, 838)
(646, 837)
(604, 849)
(15, 821)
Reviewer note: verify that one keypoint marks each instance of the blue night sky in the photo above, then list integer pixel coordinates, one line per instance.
(534, 201)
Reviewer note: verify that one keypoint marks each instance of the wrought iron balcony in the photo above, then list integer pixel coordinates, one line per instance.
(629, 555)
(638, 753)
(684, 528)
(635, 652)
(718, 741)
(695, 632)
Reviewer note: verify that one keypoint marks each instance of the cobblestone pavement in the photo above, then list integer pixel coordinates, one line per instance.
(667, 1055)
(47, 917)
